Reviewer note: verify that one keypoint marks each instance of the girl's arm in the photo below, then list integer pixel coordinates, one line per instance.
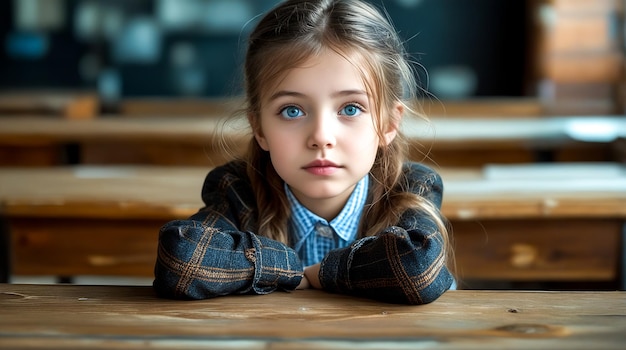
(213, 254)
(403, 264)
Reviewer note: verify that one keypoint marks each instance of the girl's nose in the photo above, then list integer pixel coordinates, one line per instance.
(323, 129)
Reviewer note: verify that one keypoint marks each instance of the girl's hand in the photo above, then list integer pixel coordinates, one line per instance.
(311, 273)
(304, 283)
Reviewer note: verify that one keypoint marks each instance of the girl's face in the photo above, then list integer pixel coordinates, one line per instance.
(318, 127)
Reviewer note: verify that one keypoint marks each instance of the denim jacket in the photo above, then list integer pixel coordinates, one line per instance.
(216, 251)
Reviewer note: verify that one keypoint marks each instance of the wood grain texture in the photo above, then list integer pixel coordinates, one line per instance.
(131, 317)
(570, 249)
(77, 246)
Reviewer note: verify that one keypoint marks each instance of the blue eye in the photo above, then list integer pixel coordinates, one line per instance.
(291, 112)
(351, 110)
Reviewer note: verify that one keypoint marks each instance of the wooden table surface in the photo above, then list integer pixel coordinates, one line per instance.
(504, 191)
(124, 317)
(102, 191)
(29, 129)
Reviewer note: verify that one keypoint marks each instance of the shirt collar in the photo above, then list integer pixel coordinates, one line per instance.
(345, 224)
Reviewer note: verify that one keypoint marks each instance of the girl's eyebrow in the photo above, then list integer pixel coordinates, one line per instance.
(349, 93)
(282, 93)
(342, 93)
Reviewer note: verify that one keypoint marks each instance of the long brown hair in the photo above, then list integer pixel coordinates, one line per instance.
(298, 29)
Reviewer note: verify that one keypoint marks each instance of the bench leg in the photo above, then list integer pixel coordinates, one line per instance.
(544, 155)
(622, 267)
(5, 250)
(65, 279)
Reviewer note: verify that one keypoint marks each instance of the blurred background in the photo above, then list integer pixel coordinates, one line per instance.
(106, 105)
(182, 48)
(193, 48)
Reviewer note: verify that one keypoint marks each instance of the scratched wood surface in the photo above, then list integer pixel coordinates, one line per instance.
(595, 190)
(72, 317)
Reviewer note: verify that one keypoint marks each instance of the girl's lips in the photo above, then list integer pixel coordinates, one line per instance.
(321, 167)
(322, 170)
(321, 163)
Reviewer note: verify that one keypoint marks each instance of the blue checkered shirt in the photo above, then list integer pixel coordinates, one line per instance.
(314, 236)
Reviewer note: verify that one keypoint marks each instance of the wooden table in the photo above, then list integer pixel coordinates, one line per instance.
(52, 103)
(543, 222)
(84, 220)
(121, 317)
(475, 141)
(117, 140)
(460, 141)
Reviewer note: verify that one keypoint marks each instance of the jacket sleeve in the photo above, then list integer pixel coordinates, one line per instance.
(212, 253)
(404, 263)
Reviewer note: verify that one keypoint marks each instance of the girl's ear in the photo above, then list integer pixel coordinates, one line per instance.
(258, 133)
(396, 117)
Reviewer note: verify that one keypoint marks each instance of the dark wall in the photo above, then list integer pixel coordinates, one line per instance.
(485, 36)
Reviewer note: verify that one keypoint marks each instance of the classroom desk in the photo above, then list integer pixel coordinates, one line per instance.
(542, 222)
(460, 141)
(121, 140)
(69, 221)
(52, 103)
(123, 317)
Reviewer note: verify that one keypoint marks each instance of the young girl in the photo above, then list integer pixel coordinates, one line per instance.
(324, 197)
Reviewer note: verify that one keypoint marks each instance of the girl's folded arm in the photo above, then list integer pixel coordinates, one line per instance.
(196, 261)
(405, 263)
(398, 266)
(214, 253)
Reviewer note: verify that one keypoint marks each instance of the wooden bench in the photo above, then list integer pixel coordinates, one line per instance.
(131, 317)
(70, 221)
(59, 105)
(476, 141)
(461, 141)
(52, 103)
(540, 222)
(550, 222)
